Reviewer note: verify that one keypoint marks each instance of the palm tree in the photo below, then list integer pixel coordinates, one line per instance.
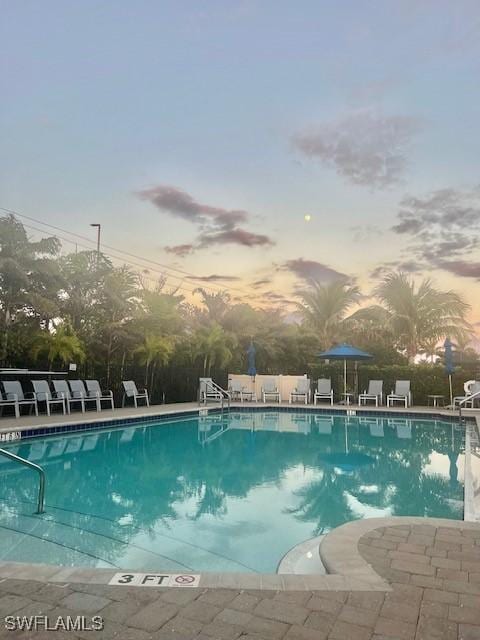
(217, 303)
(62, 345)
(420, 316)
(215, 346)
(155, 350)
(324, 307)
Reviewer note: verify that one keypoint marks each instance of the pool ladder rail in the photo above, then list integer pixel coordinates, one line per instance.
(41, 472)
(213, 391)
(464, 401)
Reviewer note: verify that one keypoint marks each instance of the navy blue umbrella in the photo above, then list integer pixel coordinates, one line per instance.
(449, 364)
(252, 371)
(345, 352)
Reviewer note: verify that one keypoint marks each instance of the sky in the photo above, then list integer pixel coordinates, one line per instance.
(249, 145)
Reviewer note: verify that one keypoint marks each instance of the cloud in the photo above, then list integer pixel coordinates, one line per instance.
(216, 278)
(311, 270)
(180, 250)
(407, 266)
(261, 283)
(365, 148)
(444, 227)
(216, 225)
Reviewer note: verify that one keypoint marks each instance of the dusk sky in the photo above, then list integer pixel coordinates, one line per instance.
(251, 144)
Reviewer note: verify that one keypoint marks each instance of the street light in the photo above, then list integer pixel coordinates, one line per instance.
(99, 229)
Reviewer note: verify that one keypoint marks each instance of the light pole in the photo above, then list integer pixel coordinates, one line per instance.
(99, 229)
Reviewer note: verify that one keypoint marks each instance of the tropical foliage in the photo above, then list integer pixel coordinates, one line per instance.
(57, 308)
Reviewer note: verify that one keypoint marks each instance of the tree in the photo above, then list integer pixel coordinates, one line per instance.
(214, 345)
(420, 316)
(61, 345)
(26, 274)
(324, 307)
(154, 351)
(217, 304)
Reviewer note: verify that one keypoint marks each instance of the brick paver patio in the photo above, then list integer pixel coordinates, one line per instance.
(434, 574)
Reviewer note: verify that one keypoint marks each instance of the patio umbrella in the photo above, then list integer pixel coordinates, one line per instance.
(252, 371)
(449, 366)
(345, 352)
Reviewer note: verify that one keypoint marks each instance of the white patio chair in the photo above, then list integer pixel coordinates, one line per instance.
(9, 403)
(43, 394)
(63, 390)
(374, 393)
(14, 392)
(402, 394)
(130, 391)
(80, 393)
(239, 391)
(270, 389)
(323, 391)
(94, 391)
(302, 391)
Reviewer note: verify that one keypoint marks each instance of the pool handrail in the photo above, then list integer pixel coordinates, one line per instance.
(41, 472)
(466, 399)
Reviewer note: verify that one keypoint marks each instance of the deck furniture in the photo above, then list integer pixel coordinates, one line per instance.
(9, 403)
(402, 394)
(14, 391)
(374, 393)
(270, 390)
(63, 390)
(468, 400)
(302, 391)
(130, 391)
(94, 391)
(323, 391)
(240, 392)
(43, 394)
(435, 400)
(80, 393)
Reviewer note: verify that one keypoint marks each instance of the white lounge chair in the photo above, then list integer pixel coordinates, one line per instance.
(302, 391)
(80, 393)
(402, 394)
(468, 401)
(323, 391)
(43, 394)
(9, 403)
(63, 390)
(239, 391)
(14, 391)
(270, 390)
(94, 391)
(130, 391)
(374, 393)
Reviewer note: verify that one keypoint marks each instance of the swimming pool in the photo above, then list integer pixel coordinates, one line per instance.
(231, 492)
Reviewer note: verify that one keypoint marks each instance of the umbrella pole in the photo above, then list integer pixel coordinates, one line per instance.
(345, 378)
(451, 392)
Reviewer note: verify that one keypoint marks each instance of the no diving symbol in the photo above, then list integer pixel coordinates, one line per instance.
(184, 579)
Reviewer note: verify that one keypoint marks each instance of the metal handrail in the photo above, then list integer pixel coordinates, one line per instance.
(466, 399)
(41, 472)
(225, 395)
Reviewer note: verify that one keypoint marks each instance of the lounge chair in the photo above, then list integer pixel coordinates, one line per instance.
(302, 391)
(468, 401)
(238, 391)
(13, 391)
(401, 394)
(130, 391)
(374, 393)
(80, 393)
(94, 391)
(63, 390)
(9, 403)
(323, 391)
(43, 394)
(270, 389)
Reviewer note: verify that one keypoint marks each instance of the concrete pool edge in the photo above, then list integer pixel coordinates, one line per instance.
(339, 551)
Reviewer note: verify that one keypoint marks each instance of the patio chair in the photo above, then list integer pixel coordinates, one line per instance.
(9, 403)
(80, 393)
(375, 393)
(302, 391)
(270, 389)
(14, 391)
(323, 391)
(130, 391)
(63, 390)
(94, 391)
(401, 394)
(43, 394)
(468, 401)
(239, 391)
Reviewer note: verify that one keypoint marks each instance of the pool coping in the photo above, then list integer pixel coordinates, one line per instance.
(348, 570)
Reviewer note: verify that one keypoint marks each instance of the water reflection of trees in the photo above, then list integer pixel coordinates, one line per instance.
(139, 484)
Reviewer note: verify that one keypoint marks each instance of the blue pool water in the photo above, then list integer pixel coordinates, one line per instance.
(214, 493)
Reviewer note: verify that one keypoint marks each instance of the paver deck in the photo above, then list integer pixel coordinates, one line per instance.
(433, 576)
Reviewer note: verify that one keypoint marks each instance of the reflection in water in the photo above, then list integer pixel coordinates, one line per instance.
(226, 493)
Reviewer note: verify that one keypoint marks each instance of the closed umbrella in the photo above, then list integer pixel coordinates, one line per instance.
(449, 365)
(345, 352)
(251, 351)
